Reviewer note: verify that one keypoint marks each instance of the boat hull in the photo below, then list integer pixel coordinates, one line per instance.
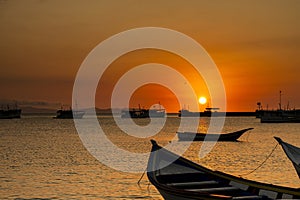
(143, 113)
(69, 114)
(10, 114)
(183, 179)
(233, 136)
(280, 116)
(292, 152)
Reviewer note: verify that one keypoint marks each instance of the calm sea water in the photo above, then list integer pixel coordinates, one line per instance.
(44, 158)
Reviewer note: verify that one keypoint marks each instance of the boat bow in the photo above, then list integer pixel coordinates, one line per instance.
(292, 152)
(177, 178)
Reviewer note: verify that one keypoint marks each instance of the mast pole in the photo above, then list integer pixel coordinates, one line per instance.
(280, 100)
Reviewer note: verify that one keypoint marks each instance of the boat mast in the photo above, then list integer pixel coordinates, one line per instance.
(280, 100)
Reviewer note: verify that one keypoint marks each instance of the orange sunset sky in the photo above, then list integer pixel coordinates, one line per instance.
(254, 43)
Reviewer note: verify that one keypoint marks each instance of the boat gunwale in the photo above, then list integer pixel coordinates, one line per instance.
(178, 192)
(221, 175)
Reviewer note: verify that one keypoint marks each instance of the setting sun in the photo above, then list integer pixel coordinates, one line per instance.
(202, 100)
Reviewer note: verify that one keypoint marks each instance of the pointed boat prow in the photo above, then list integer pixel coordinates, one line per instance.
(177, 178)
(154, 143)
(292, 152)
(279, 140)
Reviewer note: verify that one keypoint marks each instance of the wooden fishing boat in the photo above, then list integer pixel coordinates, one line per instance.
(292, 152)
(69, 114)
(183, 179)
(233, 136)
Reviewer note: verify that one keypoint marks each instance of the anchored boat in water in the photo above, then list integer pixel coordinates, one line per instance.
(280, 115)
(206, 113)
(10, 113)
(69, 114)
(292, 152)
(143, 113)
(233, 136)
(185, 180)
(135, 113)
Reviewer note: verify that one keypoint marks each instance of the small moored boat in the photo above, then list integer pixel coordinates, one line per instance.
(280, 116)
(233, 136)
(184, 179)
(69, 114)
(10, 113)
(143, 113)
(292, 152)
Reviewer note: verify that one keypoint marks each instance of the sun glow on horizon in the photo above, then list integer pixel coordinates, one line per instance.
(202, 100)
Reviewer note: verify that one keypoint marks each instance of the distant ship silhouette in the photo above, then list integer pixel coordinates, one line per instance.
(69, 114)
(9, 113)
(143, 113)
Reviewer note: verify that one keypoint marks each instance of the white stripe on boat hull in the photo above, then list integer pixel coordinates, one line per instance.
(268, 193)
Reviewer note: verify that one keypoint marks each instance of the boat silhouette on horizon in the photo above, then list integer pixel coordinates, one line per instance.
(143, 113)
(69, 114)
(232, 136)
(9, 113)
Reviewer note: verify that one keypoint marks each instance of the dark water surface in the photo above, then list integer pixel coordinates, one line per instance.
(43, 157)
